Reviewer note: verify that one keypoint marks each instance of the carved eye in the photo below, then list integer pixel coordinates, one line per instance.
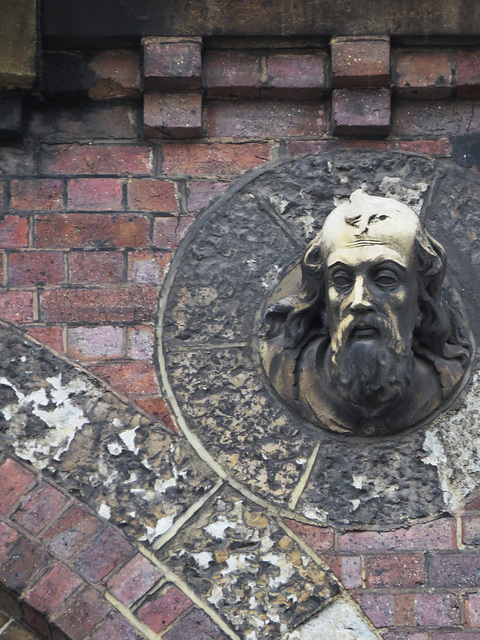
(386, 279)
(342, 281)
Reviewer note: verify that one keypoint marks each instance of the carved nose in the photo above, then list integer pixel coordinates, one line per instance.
(361, 297)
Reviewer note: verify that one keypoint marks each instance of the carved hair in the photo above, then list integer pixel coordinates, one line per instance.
(442, 330)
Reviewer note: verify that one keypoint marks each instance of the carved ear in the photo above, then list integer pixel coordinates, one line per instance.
(313, 257)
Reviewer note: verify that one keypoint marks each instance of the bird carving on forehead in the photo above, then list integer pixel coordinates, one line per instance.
(361, 222)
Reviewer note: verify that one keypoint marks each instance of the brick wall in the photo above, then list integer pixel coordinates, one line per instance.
(120, 151)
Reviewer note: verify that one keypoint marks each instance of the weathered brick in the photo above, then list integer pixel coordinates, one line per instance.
(135, 378)
(140, 343)
(158, 408)
(403, 571)
(52, 589)
(82, 614)
(134, 580)
(232, 74)
(68, 534)
(378, 608)
(102, 555)
(40, 268)
(95, 194)
(152, 195)
(471, 531)
(318, 538)
(95, 267)
(434, 119)
(9, 604)
(129, 304)
(404, 609)
(51, 336)
(85, 230)
(167, 232)
(172, 63)
(195, 625)
(174, 115)
(455, 570)
(437, 609)
(158, 613)
(14, 480)
(18, 631)
(361, 112)
(148, 267)
(93, 343)
(116, 75)
(16, 162)
(2, 196)
(300, 74)
(202, 192)
(23, 562)
(467, 78)
(472, 609)
(455, 635)
(348, 569)
(426, 75)
(117, 628)
(92, 159)
(13, 232)
(7, 538)
(406, 635)
(16, 306)
(29, 194)
(39, 507)
(254, 119)
(439, 534)
(360, 62)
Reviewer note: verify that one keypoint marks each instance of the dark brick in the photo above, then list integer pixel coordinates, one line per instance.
(82, 614)
(69, 533)
(232, 74)
(360, 62)
(164, 609)
(361, 112)
(460, 570)
(434, 119)
(50, 592)
(174, 115)
(172, 63)
(403, 571)
(39, 507)
(11, 115)
(16, 161)
(196, 625)
(472, 609)
(35, 268)
(437, 609)
(379, 608)
(201, 192)
(134, 580)
(14, 479)
(7, 538)
(426, 75)
(167, 232)
(24, 560)
(116, 74)
(471, 531)
(115, 628)
(296, 74)
(103, 555)
(92, 159)
(467, 79)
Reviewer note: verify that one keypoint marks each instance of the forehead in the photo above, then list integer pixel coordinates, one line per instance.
(367, 255)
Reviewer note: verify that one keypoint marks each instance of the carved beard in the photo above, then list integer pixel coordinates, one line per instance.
(373, 372)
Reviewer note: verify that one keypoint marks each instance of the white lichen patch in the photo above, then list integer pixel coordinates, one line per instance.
(161, 527)
(203, 559)
(104, 511)
(128, 438)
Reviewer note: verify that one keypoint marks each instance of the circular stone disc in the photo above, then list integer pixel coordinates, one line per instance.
(224, 273)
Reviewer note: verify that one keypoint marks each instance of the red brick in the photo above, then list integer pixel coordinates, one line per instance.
(318, 538)
(90, 159)
(16, 306)
(361, 112)
(135, 378)
(96, 267)
(437, 609)
(472, 609)
(116, 75)
(23, 562)
(471, 531)
(152, 195)
(404, 610)
(214, 159)
(467, 79)
(39, 507)
(14, 480)
(7, 538)
(103, 555)
(417, 119)
(378, 608)
(134, 580)
(424, 75)
(172, 63)
(13, 232)
(360, 62)
(167, 232)
(202, 192)
(403, 571)
(196, 625)
(175, 115)
(164, 609)
(82, 614)
(132, 304)
(158, 408)
(461, 569)
(115, 628)
(26, 195)
(265, 119)
(92, 230)
(51, 336)
(69, 533)
(148, 267)
(53, 588)
(92, 343)
(95, 194)
(35, 268)
(140, 343)
(302, 75)
(348, 569)
(232, 74)
(439, 534)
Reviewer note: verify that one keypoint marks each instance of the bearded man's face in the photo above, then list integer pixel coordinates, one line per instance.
(372, 311)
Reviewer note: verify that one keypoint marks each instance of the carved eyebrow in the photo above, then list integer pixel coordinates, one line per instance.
(382, 264)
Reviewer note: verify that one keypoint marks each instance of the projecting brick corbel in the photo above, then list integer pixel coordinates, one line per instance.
(173, 82)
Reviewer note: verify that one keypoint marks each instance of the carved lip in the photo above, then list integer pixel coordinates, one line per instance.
(365, 331)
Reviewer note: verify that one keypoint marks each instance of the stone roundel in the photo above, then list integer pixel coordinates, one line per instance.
(242, 251)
